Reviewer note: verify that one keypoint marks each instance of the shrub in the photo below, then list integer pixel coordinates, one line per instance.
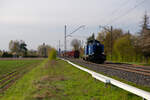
(6, 54)
(52, 54)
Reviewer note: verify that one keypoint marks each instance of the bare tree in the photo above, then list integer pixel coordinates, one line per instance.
(18, 47)
(109, 40)
(145, 24)
(76, 44)
(1, 53)
(145, 37)
(14, 46)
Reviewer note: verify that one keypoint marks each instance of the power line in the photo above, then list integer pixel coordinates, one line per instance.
(78, 36)
(130, 10)
(77, 29)
(68, 35)
(119, 7)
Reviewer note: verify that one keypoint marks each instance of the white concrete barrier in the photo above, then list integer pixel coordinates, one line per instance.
(144, 94)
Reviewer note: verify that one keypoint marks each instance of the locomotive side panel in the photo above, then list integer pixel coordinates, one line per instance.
(94, 51)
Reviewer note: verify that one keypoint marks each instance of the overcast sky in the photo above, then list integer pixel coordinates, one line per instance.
(38, 21)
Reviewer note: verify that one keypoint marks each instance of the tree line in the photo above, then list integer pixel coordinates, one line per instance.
(127, 47)
(18, 48)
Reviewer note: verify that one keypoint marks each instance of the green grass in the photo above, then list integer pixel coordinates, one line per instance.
(7, 66)
(58, 80)
(122, 80)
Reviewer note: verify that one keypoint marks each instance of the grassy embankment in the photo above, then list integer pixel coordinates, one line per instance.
(58, 80)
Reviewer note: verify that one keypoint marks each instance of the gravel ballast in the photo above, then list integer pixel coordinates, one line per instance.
(136, 78)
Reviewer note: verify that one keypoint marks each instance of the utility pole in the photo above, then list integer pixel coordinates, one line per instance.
(59, 44)
(128, 32)
(82, 44)
(65, 47)
(111, 32)
(59, 50)
(44, 51)
(69, 35)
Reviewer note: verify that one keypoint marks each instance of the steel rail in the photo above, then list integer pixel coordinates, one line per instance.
(117, 67)
(132, 68)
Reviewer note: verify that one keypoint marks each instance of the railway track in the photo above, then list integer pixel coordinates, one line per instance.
(124, 67)
(137, 74)
(129, 65)
(128, 68)
(8, 79)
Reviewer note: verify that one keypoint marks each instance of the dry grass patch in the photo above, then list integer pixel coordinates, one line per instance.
(51, 64)
(43, 86)
(41, 96)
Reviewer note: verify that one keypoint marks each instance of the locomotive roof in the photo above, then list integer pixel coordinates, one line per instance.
(91, 41)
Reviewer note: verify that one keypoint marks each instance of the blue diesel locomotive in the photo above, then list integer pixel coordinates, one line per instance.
(94, 52)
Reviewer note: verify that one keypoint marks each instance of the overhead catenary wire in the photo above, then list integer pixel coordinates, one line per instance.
(77, 29)
(69, 35)
(118, 9)
(127, 12)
